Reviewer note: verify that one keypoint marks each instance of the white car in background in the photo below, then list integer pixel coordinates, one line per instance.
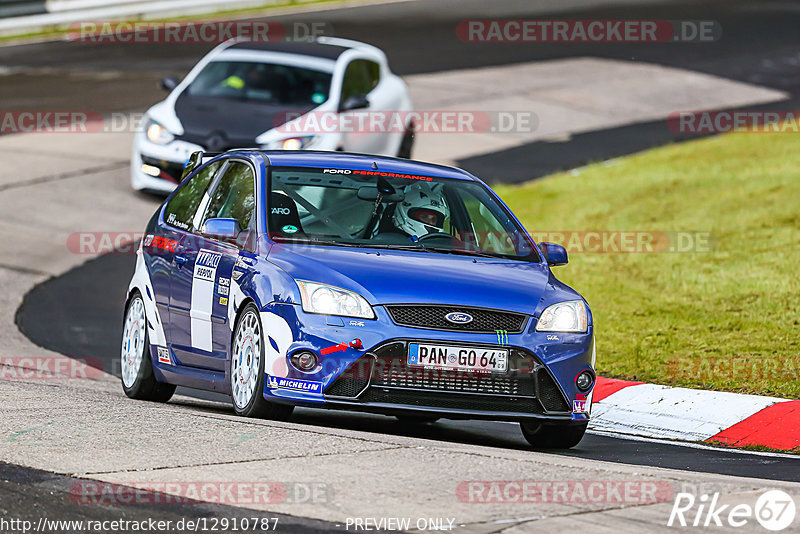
(271, 96)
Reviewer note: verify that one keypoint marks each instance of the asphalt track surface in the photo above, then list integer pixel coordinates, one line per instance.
(79, 313)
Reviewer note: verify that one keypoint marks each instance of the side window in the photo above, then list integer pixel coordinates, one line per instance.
(234, 196)
(181, 209)
(360, 77)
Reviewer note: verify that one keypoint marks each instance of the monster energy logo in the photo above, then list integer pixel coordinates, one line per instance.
(502, 336)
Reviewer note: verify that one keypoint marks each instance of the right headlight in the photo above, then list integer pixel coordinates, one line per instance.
(157, 133)
(330, 300)
(568, 316)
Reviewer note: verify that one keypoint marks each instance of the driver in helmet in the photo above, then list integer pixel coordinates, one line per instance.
(423, 211)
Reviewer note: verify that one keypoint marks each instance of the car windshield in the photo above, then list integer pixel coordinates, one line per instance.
(396, 211)
(262, 82)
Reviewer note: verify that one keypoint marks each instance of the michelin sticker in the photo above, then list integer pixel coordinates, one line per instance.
(293, 384)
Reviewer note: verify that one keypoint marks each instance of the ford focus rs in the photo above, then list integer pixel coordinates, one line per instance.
(376, 284)
(276, 96)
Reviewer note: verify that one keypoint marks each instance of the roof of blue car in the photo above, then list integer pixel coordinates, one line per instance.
(345, 160)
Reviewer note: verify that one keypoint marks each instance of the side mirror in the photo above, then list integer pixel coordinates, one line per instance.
(554, 254)
(354, 102)
(168, 84)
(221, 228)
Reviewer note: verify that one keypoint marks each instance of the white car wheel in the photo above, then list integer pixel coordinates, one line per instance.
(246, 359)
(133, 341)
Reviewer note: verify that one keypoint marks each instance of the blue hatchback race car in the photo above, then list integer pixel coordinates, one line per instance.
(376, 284)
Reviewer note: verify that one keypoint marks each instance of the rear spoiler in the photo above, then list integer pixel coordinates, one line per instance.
(197, 158)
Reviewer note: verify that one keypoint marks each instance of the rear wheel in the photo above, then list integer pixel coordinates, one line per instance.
(138, 380)
(247, 370)
(544, 436)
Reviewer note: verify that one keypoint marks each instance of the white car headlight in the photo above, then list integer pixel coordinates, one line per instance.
(158, 134)
(568, 316)
(329, 300)
(291, 143)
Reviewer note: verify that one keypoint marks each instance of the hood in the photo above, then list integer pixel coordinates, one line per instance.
(401, 277)
(219, 124)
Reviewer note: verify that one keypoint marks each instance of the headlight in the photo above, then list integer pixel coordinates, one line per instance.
(329, 300)
(569, 316)
(292, 143)
(158, 134)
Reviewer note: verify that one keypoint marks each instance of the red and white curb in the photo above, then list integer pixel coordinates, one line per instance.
(664, 412)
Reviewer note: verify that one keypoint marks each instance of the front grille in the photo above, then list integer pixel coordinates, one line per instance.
(384, 376)
(549, 394)
(433, 317)
(392, 370)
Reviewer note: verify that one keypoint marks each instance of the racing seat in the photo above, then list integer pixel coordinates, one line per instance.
(283, 216)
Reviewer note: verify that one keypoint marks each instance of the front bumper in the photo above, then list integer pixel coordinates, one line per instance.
(538, 386)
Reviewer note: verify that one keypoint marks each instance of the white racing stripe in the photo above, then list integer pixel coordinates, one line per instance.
(203, 280)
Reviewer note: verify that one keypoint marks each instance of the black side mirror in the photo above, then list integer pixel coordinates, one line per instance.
(354, 102)
(168, 84)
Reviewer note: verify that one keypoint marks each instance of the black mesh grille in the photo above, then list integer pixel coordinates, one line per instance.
(549, 393)
(392, 380)
(392, 369)
(433, 317)
(353, 380)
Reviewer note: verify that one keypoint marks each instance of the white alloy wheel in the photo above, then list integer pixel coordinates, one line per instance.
(246, 359)
(133, 341)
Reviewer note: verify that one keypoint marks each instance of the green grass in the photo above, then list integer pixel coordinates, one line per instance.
(61, 31)
(727, 319)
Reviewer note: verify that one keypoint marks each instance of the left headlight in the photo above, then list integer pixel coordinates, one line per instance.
(158, 134)
(568, 316)
(292, 143)
(329, 300)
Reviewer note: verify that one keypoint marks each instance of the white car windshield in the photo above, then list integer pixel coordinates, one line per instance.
(265, 83)
(389, 210)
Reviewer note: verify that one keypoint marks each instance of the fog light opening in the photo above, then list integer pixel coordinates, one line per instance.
(584, 380)
(305, 361)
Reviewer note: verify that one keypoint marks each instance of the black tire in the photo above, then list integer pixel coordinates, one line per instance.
(145, 386)
(417, 419)
(407, 144)
(258, 405)
(546, 436)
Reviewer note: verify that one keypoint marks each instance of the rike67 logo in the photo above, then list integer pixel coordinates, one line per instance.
(774, 510)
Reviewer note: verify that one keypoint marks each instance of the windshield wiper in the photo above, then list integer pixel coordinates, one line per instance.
(463, 252)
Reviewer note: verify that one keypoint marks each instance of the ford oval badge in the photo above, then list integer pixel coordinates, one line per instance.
(458, 318)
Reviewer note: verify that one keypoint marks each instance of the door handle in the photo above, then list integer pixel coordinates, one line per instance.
(180, 260)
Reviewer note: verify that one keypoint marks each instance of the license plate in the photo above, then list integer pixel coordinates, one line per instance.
(455, 357)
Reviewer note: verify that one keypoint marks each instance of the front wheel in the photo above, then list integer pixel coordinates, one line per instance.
(138, 380)
(247, 370)
(544, 436)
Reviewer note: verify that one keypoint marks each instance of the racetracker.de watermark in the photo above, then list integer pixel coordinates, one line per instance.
(49, 368)
(238, 493)
(588, 31)
(209, 32)
(725, 121)
(397, 121)
(564, 491)
(739, 368)
(627, 241)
